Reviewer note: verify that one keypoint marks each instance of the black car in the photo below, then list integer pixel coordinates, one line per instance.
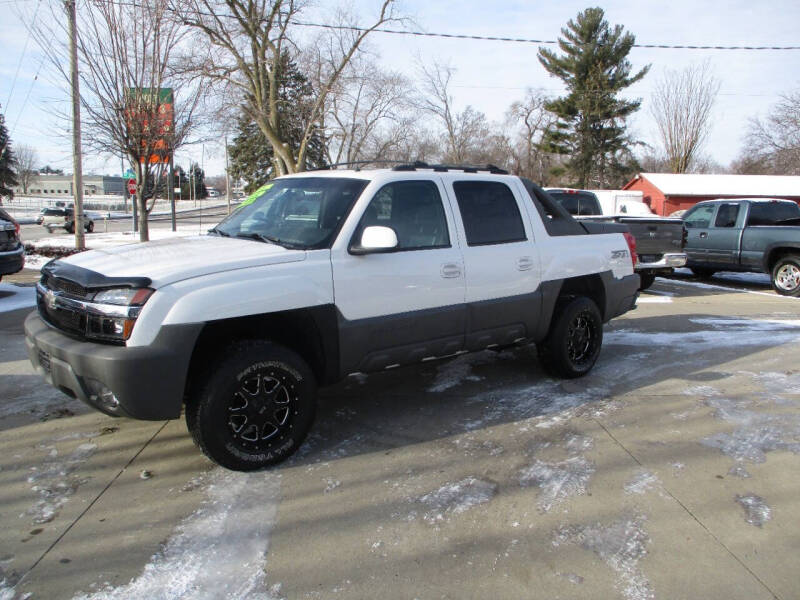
(12, 252)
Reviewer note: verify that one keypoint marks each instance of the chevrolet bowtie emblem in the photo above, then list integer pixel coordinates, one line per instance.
(50, 299)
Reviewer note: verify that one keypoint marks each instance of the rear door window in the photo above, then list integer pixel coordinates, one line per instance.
(489, 212)
(726, 215)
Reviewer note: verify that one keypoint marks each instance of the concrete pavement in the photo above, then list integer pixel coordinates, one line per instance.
(669, 472)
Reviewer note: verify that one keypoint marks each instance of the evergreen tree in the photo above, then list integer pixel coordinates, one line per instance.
(251, 155)
(8, 163)
(591, 118)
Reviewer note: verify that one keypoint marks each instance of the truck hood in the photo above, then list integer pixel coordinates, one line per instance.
(170, 260)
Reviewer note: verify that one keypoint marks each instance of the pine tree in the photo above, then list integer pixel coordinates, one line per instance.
(8, 163)
(591, 126)
(251, 155)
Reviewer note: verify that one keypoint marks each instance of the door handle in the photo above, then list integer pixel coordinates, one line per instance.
(524, 263)
(451, 270)
(703, 234)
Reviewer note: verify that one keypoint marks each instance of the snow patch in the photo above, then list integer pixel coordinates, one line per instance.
(456, 498)
(458, 370)
(739, 471)
(558, 481)
(55, 482)
(756, 511)
(621, 545)
(653, 300)
(701, 390)
(217, 552)
(757, 434)
(641, 482)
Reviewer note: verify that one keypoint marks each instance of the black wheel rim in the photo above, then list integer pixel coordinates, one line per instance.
(262, 408)
(581, 338)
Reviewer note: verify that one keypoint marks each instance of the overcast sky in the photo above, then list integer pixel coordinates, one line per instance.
(490, 75)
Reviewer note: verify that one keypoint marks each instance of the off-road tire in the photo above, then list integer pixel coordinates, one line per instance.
(575, 338)
(646, 280)
(701, 272)
(255, 408)
(786, 275)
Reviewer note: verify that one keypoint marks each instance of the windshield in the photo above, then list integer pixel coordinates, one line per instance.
(303, 213)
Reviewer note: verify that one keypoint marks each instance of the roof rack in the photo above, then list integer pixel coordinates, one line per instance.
(443, 168)
(357, 164)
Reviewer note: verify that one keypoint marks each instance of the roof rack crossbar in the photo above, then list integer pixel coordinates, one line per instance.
(444, 168)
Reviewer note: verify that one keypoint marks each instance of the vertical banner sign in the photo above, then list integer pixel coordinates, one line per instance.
(150, 117)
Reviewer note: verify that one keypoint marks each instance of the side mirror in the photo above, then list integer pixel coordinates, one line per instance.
(376, 239)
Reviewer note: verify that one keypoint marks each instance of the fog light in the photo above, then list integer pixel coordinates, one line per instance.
(102, 395)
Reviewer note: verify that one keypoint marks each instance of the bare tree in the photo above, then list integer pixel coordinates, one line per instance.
(529, 121)
(248, 39)
(467, 131)
(365, 107)
(774, 142)
(126, 59)
(681, 106)
(27, 162)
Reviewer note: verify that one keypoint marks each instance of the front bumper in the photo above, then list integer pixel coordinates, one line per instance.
(148, 381)
(667, 261)
(12, 261)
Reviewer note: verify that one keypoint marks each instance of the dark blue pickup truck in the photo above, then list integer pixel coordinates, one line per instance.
(755, 235)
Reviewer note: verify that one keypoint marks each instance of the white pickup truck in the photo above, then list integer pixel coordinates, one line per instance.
(317, 276)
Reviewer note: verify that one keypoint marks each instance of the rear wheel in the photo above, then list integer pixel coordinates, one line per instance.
(786, 275)
(90, 227)
(573, 344)
(646, 280)
(255, 409)
(702, 272)
(70, 228)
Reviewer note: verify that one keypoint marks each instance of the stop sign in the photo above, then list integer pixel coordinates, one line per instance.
(132, 187)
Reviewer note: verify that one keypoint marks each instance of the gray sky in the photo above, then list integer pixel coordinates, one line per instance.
(490, 75)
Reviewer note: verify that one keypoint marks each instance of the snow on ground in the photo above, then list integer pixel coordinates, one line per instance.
(621, 544)
(722, 332)
(751, 278)
(14, 297)
(653, 300)
(118, 238)
(456, 498)
(56, 481)
(641, 482)
(757, 432)
(558, 481)
(756, 511)
(219, 551)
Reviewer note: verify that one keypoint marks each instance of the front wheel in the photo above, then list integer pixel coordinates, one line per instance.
(786, 275)
(90, 227)
(573, 343)
(70, 228)
(255, 408)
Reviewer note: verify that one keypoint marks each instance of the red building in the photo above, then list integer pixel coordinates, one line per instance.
(665, 193)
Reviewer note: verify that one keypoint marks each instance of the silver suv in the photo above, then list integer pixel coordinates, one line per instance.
(55, 218)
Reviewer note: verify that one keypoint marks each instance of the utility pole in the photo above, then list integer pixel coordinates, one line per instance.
(77, 168)
(227, 177)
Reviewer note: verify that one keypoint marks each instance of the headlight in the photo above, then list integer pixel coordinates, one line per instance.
(123, 296)
(113, 312)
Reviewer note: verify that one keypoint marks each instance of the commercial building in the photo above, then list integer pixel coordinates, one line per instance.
(665, 193)
(60, 186)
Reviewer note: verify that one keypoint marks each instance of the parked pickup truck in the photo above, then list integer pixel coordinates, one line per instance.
(317, 276)
(12, 252)
(659, 241)
(756, 235)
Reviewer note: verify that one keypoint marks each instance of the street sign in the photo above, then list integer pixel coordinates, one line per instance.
(132, 187)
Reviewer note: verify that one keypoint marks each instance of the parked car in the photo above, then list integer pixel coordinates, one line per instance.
(12, 251)
(56, 218)
(755, 235)
(659, 241)
(322, 275)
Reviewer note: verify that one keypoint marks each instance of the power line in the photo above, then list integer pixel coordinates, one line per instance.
(489, 38)
(22, 57)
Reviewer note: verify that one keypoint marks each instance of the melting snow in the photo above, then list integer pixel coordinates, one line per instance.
(458, 370)
(653, 300)
(558, 481)
(758, 432)
(641, 482)
(738, 471)
(55, 482)
(756, 511)
(621, 545)
(456, 498)
(217, 552)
